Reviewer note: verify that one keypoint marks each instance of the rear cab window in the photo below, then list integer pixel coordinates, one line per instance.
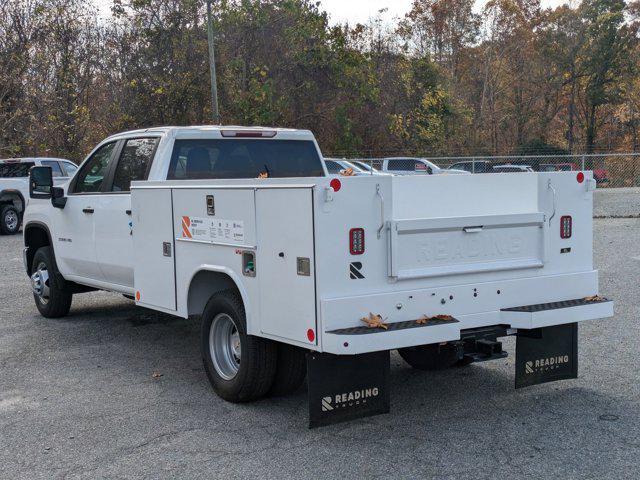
(15, 169)
(243, 158)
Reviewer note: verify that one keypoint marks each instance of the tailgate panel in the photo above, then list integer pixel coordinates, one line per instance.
(456, 245)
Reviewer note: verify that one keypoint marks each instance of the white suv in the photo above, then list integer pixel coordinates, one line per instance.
(14, 186)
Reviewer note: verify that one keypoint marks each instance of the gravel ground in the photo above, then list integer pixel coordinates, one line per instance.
(78, 399)
(616, 202)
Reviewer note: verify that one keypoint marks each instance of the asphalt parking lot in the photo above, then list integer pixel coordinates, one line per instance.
(113, 391)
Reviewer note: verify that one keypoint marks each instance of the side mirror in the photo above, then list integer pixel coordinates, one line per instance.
(430, 170)
(40, 182)
(58, 199)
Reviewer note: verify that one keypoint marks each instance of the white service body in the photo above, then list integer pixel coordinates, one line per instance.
(465, 246)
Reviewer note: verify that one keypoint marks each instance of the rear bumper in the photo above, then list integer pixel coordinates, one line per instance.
(516, 304)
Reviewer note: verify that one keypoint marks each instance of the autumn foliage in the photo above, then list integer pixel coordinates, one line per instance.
(441, 80)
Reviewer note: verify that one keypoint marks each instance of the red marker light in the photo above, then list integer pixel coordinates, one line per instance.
(311, 335)
(335, 184)
(580, 177)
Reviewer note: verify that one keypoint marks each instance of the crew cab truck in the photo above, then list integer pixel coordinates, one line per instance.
(297, 273)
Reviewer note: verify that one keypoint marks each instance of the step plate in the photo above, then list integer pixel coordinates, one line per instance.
(541, 307)
(364, 330)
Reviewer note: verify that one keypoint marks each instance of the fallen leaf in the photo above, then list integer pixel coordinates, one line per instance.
(375, 321)
(426, 318)
(156, 374)
(594, 298)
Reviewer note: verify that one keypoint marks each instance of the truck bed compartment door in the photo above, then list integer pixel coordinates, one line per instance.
(153, 248)
(285, 264)
(433, 247)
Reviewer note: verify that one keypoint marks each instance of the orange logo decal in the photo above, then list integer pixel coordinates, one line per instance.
(186, 223)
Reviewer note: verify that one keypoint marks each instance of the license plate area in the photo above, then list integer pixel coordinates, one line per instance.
(457, 245)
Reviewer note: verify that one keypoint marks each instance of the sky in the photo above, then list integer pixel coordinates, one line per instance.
(361, 11)
(354, 11)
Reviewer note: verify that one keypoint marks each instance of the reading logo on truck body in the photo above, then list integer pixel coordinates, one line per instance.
(213, 229)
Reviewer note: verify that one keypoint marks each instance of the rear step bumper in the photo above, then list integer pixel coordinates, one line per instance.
(363, 339)
(547, 314)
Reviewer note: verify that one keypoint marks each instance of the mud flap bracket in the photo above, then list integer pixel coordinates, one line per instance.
(546, 354)
(347, 387)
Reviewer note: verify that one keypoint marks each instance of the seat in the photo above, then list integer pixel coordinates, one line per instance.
(198, 163)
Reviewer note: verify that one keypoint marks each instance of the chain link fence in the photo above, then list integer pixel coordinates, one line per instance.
(611, 170)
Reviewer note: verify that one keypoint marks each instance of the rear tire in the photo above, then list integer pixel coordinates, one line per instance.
(291, 370)
(240, 367)
(432, 357)
(9, 220)
(51, 300)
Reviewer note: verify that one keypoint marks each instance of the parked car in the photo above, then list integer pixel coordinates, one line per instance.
(481, 166)
(367, 167)
(509, 168)
(14, 186)
(336, 165)
(558, 167)
(415, 166)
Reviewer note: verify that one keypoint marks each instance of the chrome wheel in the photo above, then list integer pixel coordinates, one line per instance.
(224, 346)
(40, 283)
(11, 220)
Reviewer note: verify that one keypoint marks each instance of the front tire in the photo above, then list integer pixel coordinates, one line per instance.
(432, 357)
(51, 300)
(9, 220)
(240, 367)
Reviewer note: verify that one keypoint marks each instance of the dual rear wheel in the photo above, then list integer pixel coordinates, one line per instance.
(242, 367)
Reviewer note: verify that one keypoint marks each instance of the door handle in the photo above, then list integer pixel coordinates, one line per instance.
(128, 212)
(477, 229)
(87, 210)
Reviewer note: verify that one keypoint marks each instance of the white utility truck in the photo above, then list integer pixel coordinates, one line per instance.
(297, 273)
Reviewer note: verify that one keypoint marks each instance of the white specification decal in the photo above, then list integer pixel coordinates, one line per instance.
(213, 229)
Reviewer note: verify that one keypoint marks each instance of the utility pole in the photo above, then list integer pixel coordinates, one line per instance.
(212, 67)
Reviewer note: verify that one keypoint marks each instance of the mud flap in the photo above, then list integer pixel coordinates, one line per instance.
(546, 354)
(346, 387)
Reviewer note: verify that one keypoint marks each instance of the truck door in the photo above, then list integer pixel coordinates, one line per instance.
(113, 216)
(285, 263)
(74, 225)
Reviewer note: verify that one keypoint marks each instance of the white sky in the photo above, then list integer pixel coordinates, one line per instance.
(361, 11)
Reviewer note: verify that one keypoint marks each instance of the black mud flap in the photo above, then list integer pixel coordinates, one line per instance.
(546, 355)
(346, 387)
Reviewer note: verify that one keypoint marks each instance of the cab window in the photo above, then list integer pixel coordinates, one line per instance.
(68, 168)
(56, 171)
(91, 176)
(243, 158)
(134, 162)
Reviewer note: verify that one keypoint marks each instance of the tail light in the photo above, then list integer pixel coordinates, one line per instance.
(356, 241)
(566, 226)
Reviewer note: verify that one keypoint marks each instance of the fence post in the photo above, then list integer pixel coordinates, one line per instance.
(583, 161)
(473, 165)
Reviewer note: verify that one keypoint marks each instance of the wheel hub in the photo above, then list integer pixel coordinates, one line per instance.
(225, 346)
(40, 283)
(11, 220)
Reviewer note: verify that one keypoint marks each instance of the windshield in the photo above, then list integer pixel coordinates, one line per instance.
(244, 158)
(365, 166)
